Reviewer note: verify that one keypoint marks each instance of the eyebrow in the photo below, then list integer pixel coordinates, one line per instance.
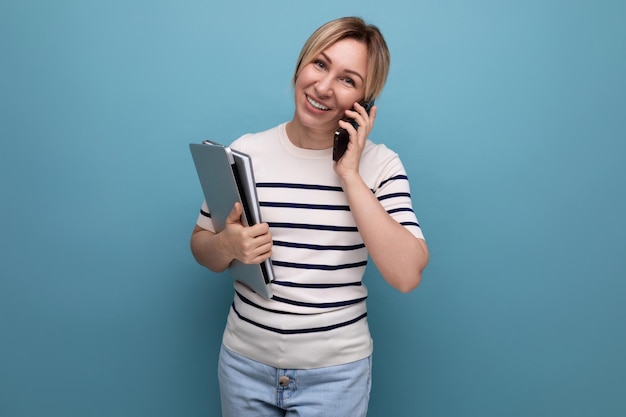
(330, 61)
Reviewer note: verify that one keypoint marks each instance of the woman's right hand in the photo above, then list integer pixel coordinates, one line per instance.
(216, 251)
(247, 244)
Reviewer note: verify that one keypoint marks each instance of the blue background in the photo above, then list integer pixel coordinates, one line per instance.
(510, 117)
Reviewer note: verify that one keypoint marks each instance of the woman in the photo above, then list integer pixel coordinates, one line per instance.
(307, 351)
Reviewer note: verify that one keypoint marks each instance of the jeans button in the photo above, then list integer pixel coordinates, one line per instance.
(283, 381)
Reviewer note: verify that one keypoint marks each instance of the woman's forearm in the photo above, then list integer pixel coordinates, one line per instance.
(208, 250)
(399, 256)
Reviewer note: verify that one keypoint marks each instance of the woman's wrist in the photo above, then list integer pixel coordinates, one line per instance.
(351, 181)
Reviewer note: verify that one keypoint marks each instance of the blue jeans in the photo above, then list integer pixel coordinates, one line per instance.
(252, 389)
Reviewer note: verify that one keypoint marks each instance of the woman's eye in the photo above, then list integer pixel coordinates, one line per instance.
(320, 64)
(349, 81)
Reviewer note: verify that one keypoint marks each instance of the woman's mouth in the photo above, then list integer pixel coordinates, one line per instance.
(317, 105)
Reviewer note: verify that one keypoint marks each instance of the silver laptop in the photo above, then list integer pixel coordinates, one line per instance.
(226, 177)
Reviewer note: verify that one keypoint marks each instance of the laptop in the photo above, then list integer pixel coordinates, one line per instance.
(226, 177)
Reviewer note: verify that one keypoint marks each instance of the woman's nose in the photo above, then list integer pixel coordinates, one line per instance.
(324, 86)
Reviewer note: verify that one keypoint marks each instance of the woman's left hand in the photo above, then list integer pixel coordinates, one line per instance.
(348, 164)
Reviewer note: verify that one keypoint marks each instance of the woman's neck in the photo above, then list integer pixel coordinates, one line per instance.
(307, 138)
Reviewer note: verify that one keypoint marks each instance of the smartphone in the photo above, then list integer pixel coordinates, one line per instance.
(340, 143)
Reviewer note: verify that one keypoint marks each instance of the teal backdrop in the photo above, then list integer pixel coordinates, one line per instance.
(510, 117)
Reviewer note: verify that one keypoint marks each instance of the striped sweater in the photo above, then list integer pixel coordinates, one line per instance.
(318, 314)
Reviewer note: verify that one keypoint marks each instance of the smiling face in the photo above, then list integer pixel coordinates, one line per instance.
(331, 83)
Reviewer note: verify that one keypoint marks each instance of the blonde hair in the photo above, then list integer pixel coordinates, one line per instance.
(378, 59)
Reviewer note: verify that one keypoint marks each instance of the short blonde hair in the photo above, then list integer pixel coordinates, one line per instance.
(378, 59)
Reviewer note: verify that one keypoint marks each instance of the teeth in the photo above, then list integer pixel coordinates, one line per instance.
(316, 104)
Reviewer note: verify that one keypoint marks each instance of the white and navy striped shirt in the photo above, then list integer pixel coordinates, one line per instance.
(318, 314)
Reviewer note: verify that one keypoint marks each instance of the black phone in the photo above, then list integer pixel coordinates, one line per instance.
(340, 143)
